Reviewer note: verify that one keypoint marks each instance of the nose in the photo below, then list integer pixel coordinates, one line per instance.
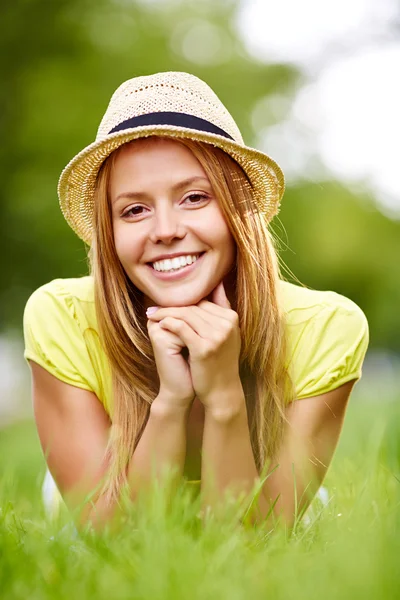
(167, 226)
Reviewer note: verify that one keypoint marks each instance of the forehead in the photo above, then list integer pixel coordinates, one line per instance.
(153, 156)
(152, 163)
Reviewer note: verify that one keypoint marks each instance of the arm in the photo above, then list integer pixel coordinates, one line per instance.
(73, 429)
(309, 441)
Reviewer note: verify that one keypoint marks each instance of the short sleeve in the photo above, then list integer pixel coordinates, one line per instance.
(331, 350)
(54, 340)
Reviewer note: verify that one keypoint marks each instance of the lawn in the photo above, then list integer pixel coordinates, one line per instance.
(348, 549)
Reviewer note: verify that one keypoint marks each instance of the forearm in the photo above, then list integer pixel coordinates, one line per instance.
(295, 476)
(228, 462)
(162, 446)
(227, 455)
(298, 469)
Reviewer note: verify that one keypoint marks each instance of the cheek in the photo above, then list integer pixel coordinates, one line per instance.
(119, 245)
(231, 251)
(224, 239)
(221, 239)
(230, 247)
(216, 228)
(125, 245)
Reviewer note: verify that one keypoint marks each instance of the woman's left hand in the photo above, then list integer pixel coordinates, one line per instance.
(210, 330)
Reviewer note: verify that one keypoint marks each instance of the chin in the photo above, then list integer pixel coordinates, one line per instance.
(179, 300)
(179, 297)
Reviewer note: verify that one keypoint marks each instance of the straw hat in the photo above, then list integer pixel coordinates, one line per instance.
(171, 104)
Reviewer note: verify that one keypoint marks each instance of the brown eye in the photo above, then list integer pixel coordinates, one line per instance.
(197, 198)
(131, 212)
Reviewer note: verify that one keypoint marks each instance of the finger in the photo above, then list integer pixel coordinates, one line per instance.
(213, 309)
(182, 330)
(218, 321)
(210, 313)
(152, 328)
(218, 311)
(194, 318)
(219, 296)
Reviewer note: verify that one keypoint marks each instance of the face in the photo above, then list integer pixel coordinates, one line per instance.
(162, 205)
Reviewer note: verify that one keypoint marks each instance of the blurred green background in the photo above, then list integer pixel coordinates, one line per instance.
(60, 63)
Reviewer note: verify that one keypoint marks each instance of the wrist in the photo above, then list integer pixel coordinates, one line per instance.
(227, 406)
(162, 408)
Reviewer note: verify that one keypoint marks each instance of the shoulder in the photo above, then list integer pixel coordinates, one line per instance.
(62, 299)
(79, 288)
(57, 317)
(60, 333)
(302, 304)
(327, 336)
(61, 306)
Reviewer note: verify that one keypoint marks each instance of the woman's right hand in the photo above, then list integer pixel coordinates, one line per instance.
(173, 370)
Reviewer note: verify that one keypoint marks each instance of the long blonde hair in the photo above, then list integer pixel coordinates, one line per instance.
(122, 322)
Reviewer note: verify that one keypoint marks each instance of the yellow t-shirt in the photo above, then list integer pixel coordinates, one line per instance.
(328, 337)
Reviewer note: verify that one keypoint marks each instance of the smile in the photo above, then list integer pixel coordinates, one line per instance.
(175, 263)
(177, 273)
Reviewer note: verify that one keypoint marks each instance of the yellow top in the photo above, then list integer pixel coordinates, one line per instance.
(328, 337)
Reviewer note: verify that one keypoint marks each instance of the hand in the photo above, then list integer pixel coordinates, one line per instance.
(210, 331)
(175, 380)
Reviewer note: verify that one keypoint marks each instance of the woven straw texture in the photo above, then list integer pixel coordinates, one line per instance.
(163, 92)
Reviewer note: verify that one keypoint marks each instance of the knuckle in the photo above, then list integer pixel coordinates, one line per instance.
(222, 333)
(180, 325)
(157, 338)
(234, 317)
(207, 351)
(221, 338)
(168, 321)
(227, 326)
(156, 334)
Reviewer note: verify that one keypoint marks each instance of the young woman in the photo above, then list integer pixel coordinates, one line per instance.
(184, 348)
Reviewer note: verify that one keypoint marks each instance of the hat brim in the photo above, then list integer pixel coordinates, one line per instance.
(77, 182)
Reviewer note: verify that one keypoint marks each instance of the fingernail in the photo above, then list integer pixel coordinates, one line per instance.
(151, 310)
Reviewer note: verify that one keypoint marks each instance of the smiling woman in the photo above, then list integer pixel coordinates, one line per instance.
(165, 212)
(184, 348)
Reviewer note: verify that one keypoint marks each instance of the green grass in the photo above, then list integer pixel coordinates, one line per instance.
(351, 549)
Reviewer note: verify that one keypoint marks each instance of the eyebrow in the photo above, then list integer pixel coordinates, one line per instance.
(175, 188)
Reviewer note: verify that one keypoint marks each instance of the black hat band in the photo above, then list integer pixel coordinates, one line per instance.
(171, 118)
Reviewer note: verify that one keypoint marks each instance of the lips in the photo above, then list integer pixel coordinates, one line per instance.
(151, 263)
(179, 273)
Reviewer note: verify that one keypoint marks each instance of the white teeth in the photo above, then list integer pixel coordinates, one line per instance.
(175, 263)
(166, 263)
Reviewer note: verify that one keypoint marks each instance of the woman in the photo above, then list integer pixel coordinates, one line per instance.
(185, 349)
